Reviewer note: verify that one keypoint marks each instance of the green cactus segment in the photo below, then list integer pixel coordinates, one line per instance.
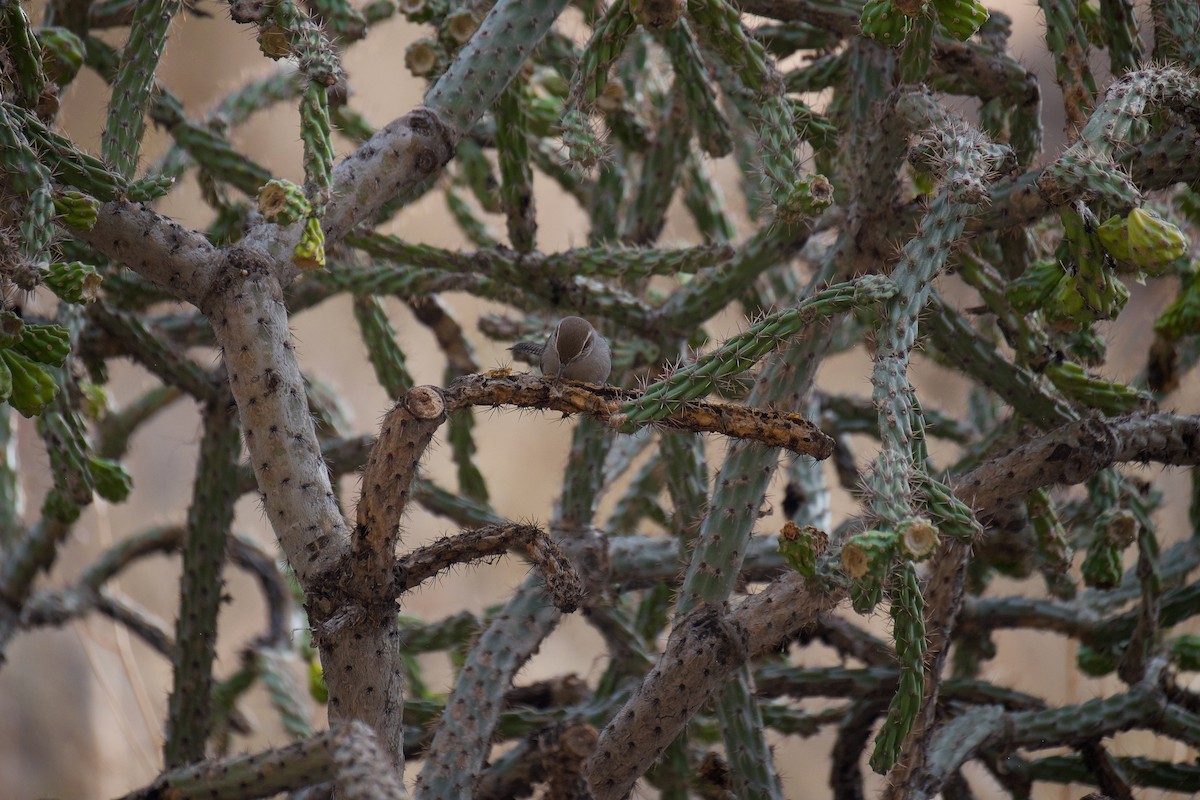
(210, 150)
(31, 387)
(1175, 26)
(960, 18)
(65, 161)
(460, 434)
(28, 177)
(706, 118)
(292, 32)
(516, 174)
(391, 367)
(283, 202)
(65, 435)
(1182, 317)
(19, 40)
(802, 546)
(1116, 530)
(111, 480)
(126, 123)
(209, 518)
(1144, 240)
(908, 621)
(742, 352)
(869, 555)
(1053, 550)
(751, 760)
(62, 53)
(584, 147)
(1034, 288)
(278, 676)
(1090, 174)
(605, 46)
(342, 18)
(309, 253)
(1119, 29)
(485, 65)
(1108, 396)
(316, 133)
(76, 210)
(883, 22)
(45, 344)
(1067, 42)
(1093, 292)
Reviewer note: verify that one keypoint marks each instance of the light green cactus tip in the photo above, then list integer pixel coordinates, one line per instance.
(283, 202)
(884, 23)
(73, 281)
(802, 547)
(309, 254)
(961, 18)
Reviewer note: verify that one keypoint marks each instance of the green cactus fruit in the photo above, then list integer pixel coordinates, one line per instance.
(802, 547)
(111, 480)
(868, 554)
(1033, 290)
(76, 210)
(808, 197)
(62, 53)
(45, 344)
(1102, 566)
(33, 386)
(1144, 240)
(1153, 241)
(960, 18)
(283, 202)
(73, 281)
(884, 23)
(460, 26)
(309, 254)
(1115, 237)
(422, 10)
(425, 57)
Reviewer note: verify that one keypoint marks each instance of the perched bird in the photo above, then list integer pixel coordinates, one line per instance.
(575, 351)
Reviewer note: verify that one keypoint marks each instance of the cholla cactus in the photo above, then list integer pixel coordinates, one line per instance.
(857, 210)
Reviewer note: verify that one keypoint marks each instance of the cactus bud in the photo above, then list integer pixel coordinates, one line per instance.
(868, 554)
(460, 26)
(1182, 317)
(656, 14)
(12, 328)
(1143, 239)
(45, 344)
(808, 197)
(273, 42)
(73, 281)
(111, 480)
(62, 53)
(423, 57)
(802, 547)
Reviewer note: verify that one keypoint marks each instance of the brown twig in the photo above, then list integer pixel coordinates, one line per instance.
(772, 428)
(562, 584)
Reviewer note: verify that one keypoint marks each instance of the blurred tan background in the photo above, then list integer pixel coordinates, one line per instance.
(82, 708)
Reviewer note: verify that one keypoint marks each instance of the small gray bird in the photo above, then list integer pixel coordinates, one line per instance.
(575, 351)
